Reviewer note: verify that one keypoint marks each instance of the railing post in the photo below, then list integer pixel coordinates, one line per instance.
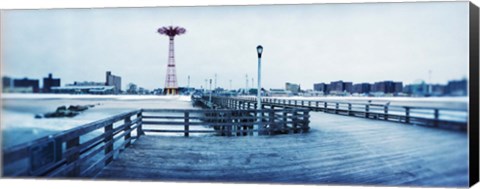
(336, 108)
(229, 123)
(385, 111)
(72, 145)
(127, 121)
(407, 114)
(108, 143)
(309, 103)
(349, 109)
(302, 102)
(436, 115)
(325, 106)
(187, 124)
(316, 104)
(139, 123)
(295, 102)
(367, 109)
(58, 149)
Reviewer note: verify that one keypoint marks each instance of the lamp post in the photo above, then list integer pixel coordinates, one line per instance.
(210, 96)
(259, 80)
(206, 84)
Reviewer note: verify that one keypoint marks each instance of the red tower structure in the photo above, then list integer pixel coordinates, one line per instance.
(171, 85)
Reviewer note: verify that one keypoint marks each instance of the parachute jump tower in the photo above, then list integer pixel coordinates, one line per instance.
(171, 85)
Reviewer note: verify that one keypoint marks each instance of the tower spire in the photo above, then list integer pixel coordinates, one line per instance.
(171, 85)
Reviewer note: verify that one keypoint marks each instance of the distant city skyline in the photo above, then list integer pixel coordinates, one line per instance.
(311, 44)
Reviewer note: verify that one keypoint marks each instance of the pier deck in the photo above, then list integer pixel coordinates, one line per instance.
(337, 150)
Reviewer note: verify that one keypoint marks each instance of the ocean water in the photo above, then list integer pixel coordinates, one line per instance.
(19, 125)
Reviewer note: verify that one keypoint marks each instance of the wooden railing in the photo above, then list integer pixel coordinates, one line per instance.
(83, 151)
(78, 152)
(445, 117)
(227, 122)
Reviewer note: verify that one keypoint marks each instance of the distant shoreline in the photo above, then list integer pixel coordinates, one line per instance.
(88, 96)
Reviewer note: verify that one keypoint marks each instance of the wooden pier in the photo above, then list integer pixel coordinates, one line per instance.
(440, 117)
(332, 149)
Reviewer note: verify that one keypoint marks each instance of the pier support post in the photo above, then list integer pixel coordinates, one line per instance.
(436, 117)
(325, 106)
(305, 121)
(294, 121)
(271, 120)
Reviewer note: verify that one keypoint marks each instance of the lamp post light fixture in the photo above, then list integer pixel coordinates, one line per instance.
(259, 87)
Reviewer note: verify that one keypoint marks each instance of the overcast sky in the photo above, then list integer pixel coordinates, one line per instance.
(303, 44)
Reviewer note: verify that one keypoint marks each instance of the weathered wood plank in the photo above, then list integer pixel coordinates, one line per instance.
(339, 150)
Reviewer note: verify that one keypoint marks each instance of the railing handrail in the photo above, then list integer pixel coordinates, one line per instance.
(73, 132)
(363, 103)
(219, 110)
(64, 152)
(450, 117)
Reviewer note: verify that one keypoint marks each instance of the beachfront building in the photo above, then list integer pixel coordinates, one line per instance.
(321, 87)
(387, 87)
(362, 88)
(279, 93)
(340, 87)
(457, 88)
(113, 80)
(26, 85)
(292, 87)
(7, 83)
(49, 82)
(85, 88)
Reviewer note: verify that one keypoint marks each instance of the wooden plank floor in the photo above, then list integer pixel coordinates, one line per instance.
(338, 150)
